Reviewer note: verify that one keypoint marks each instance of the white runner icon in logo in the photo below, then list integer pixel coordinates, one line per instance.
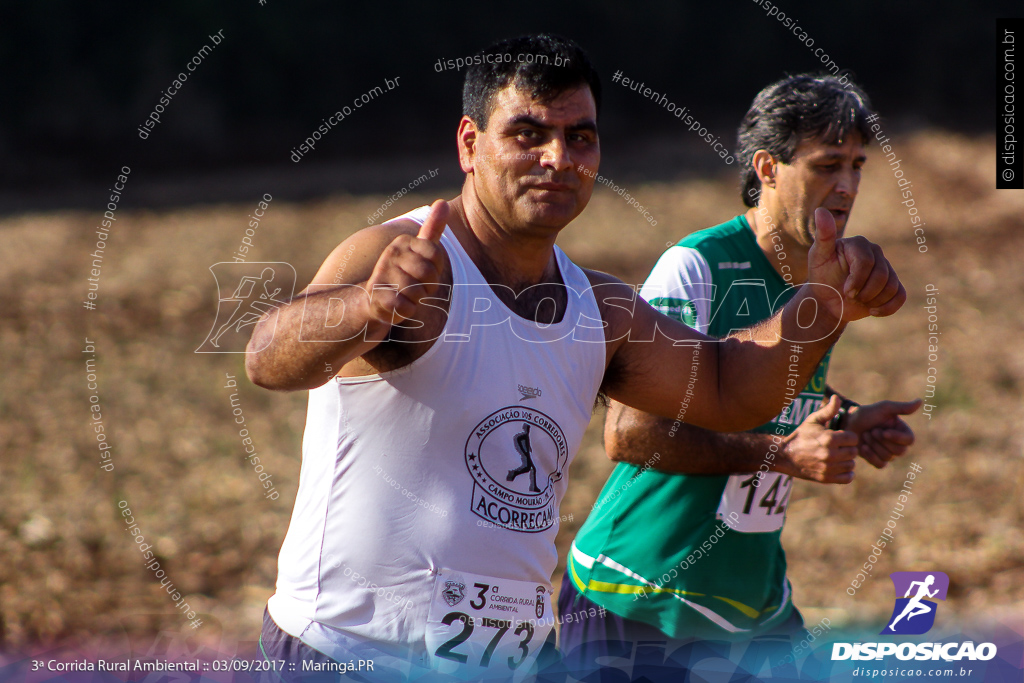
(915, 607)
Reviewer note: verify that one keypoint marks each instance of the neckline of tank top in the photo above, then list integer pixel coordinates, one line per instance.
(564, 265)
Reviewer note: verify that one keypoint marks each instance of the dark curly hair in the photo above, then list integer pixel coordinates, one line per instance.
(798, 108)
(557, 65)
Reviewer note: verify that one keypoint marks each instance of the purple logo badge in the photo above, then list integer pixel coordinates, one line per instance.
(916, 593)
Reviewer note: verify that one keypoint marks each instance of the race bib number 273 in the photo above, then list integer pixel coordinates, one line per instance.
(480, 622)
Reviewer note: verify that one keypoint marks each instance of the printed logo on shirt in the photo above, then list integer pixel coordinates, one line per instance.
(515, 456)
(683, 310)
(529, 392)
(799, 410)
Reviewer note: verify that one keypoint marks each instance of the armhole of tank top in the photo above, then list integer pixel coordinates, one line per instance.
(381, 376)
(413, 215)
(566, 265)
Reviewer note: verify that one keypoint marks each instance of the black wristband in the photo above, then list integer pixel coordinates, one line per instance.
(837, 422)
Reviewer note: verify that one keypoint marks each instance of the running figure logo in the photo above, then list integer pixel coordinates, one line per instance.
(255, 288)
(522, 443)
(914, 613)
(508, 443)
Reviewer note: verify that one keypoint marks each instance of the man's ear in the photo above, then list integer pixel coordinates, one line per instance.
(765, 166)
(466, 140)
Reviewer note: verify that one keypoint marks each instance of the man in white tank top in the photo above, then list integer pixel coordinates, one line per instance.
(471, 352)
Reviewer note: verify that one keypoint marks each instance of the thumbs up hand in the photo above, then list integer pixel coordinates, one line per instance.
(816, 453)
(883, 435)
(854, 268)
(408, 270)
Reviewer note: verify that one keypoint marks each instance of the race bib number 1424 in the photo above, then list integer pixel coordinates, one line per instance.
(760, 504)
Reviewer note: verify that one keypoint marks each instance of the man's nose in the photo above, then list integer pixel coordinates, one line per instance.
(556, 155)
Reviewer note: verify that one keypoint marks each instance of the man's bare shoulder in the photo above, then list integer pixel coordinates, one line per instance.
(353, 260)
(615, 300)
(383, 234)
(607, 288)
(598, 277)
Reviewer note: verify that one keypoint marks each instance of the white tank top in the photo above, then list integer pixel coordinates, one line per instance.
(454, 463)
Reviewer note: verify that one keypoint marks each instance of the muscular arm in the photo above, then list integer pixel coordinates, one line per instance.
(811, 452)
(326, 323)
(633, 436)
(371, 282)
(743, 380)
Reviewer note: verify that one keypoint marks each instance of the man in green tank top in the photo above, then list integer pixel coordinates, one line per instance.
(684, 539)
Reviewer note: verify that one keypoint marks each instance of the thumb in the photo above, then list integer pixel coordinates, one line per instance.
(824, 232)
(903, 407)
(433, 227)
(827, 411)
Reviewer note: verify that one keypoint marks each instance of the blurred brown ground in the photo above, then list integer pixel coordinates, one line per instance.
(70, 575)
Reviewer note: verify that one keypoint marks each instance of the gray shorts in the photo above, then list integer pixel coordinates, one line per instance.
(300, 660)
(278, 646)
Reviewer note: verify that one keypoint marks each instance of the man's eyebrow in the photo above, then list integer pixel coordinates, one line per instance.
(836, 154)
(583, 124)
(530, 121)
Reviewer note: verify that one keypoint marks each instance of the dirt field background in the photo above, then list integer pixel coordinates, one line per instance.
(70, 575)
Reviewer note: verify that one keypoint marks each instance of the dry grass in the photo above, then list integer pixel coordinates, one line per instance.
(70, 575)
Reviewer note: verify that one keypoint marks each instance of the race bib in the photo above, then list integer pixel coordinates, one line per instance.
(480, 623)
(760, 504)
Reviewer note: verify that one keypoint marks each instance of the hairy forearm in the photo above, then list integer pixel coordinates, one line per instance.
(293, 344)
(761, 368)
(670, 446)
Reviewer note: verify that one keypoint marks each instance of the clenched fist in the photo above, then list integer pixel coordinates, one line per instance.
(816, 453)
(854, 268)
(408, 270)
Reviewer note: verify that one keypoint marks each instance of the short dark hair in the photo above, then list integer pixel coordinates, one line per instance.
(798, 108)
(556, 65)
